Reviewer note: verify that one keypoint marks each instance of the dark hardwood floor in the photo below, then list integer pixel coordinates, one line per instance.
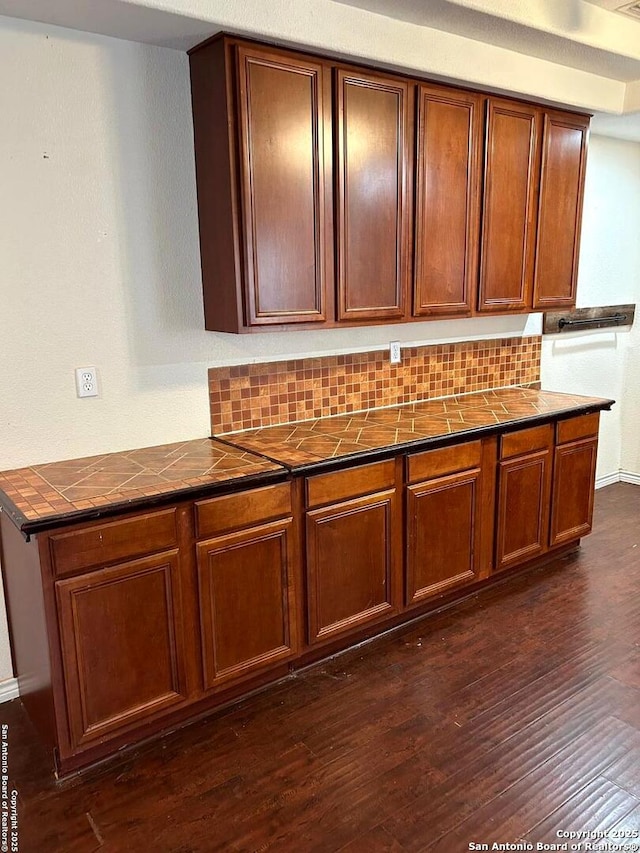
(510, 717)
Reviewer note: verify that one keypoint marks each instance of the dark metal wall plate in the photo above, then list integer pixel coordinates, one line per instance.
(585, 319)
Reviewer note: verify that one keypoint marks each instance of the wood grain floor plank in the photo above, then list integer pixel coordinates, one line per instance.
(599, 806)
(522, 759)
(514, 812)
(376, 840)
(629, 826)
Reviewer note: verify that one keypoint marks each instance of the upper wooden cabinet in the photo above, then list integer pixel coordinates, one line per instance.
(262, 130)
(509, 210)
(564, 151)
(329, 194)
(374, 177)
(448, 184)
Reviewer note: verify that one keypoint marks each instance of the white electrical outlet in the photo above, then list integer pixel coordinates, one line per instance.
(86, 382)
(395, 355)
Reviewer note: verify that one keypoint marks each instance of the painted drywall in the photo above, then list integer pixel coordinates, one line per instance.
(99, 255)
(630, 426)
(601, 362)
(628, 166)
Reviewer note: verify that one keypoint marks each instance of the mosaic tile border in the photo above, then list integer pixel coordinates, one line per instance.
(249, 396)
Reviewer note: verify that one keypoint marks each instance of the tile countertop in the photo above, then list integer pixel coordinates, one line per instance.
(45, 496)
(319, 444)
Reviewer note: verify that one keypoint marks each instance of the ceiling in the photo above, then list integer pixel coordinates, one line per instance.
(588, 35)
(568, 32)
(622, 127)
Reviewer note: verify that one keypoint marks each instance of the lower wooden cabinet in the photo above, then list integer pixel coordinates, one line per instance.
(123, 626)
(122, 645)
(353, 549)
(350, 564)
(442, 534)
(574, 473)
(443, 520)
(545, 488)
(523, 508)
(524, 489)
(247, 601)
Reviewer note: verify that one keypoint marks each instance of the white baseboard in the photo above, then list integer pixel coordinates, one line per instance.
(607, 480)
(630, 477)
(618, 477)
(9, 689)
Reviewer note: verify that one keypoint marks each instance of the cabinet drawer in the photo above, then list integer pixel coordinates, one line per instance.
(113, 541)
(243, 509)
(445, 460)
(526, 441)
(584, 426)
(327, 488)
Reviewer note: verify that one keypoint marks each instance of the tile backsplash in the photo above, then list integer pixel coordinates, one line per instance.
(254, 395)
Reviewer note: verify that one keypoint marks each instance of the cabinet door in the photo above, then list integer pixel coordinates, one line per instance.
(350, 564)
(373, 206)
(574, 474)
(509, 213)
(247, 601)
(442, 534)
(523, 508)
(122, 647)
(564, 149)
(284, 114)
(447, 201)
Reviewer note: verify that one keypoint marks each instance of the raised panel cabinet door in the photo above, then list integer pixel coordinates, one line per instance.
(574, 474)
(509, 207)
(442, 534)
(285, 167)
(564, 154)
(450, 126)
(247, 601)
(350, 564)
(122, 646)
(523, 508)
(374, 202)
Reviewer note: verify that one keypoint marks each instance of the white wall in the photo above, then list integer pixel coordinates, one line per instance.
(99, 259)
(609, 273)
(630, 422)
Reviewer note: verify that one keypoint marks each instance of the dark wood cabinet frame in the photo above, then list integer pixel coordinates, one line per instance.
(334, 194)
